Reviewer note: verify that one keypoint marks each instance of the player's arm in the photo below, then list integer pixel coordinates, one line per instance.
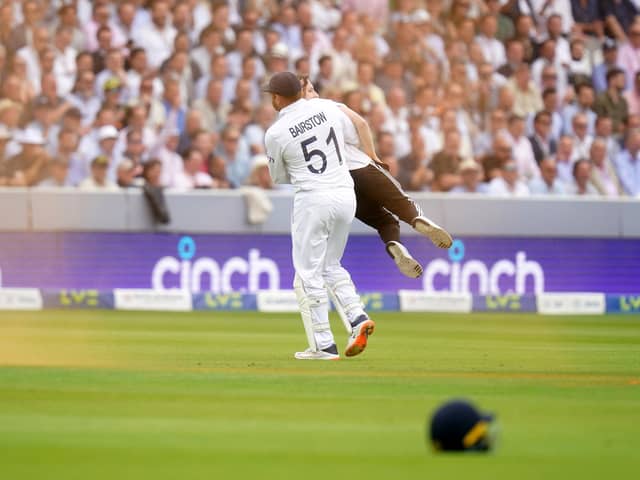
(364, 132)
(277, 169)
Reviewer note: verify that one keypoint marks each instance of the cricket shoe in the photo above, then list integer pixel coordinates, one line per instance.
(329, 353)
(359, 336)
(438, 235)
(408, 265)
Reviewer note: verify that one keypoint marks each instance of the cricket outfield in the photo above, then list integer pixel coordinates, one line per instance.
(119, 395)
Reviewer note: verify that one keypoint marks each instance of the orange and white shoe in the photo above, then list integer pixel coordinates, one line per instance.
(430, 229)
(359, 336)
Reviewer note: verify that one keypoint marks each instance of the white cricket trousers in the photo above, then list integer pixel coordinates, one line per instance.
(320, 228)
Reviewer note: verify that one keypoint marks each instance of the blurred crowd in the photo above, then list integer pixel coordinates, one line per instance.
(500, 97)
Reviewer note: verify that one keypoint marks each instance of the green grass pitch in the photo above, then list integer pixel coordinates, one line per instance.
(120, 395)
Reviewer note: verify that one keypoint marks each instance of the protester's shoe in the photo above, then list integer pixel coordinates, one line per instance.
(438, 235)
(407, 265)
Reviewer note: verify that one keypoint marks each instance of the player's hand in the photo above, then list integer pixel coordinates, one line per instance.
(381, 163)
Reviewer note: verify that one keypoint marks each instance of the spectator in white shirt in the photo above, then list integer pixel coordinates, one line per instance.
(102, 18)
(564, 159)
(84, 99)
(581, 139)
(31, 56)
(64, 65)
(521, 149)
(156, 37)
(603, 176)
(547, 183)
(492, 48)
(508, 184)
(192, 176)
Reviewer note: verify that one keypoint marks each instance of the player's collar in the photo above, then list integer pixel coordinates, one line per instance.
(292, 107)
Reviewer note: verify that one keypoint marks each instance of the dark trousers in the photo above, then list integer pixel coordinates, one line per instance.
(379, 198)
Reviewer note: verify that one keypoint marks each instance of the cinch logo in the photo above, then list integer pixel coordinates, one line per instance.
(185, 273)
(502, 277)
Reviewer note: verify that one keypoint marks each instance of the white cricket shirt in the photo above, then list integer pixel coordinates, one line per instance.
(306, 146)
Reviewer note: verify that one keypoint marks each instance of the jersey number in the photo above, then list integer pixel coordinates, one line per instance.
(309, 154)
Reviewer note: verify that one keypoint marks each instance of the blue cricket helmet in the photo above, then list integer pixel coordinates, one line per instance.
(458, 426)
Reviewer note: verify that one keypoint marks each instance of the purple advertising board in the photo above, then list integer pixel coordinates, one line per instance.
(223, 263)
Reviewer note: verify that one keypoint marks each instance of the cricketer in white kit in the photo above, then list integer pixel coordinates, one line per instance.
(306, 148)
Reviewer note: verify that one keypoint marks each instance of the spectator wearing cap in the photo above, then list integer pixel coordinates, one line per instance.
(507, 184)
(98, 179)
(259, 176)
(603, 176)
(413, 173)
(191, 176)
(547, 183)
(609, 61)
(277, 58)
(82, 97)
(157, 36)
(25, 168)
(581, 138)
(632, 96)
(581, 184)
(583, 104)
(113, 72)
(470, 178)
(627, 164)
(542, 143)
(113, 97)
(565, 159)
(64, 66)
(612, 102)
(57, 173)
(521, 150)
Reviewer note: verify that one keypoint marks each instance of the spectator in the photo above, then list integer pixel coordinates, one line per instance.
(236, 155)
(565, 159)
(105, 148)
(98, 179)
(550, 106)
(501, 152)
(446, 163)
(413, 173)
(23, 33)
(628, 164)
(583, 104)
(610, 61)
(192, 175)
(83, 97)
(158, 35)
(632, 96)
(521, 150)
(526, 95)
(514, 55)
(127, 174)
(31, 54)
(612, 102)
(483, 143)
(508, 184)
(547, 183)
(541, 142)
(25, 168)
(582, 178)
(581, 139)
(628, 55)
(579, 65)
(603, 175)
(253, 135)
(470, 178)
(67, 152)
(57, 173)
